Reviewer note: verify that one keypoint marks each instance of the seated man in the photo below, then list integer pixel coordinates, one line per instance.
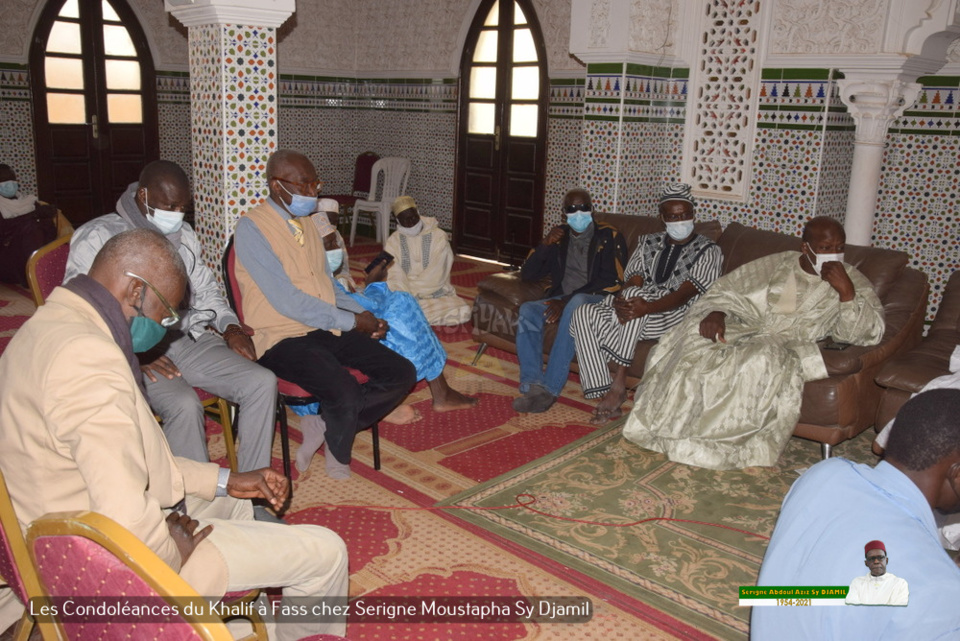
(409, 335)
(76, 433)
(584, 261)
(666, 274)
(331, 208)
(722, 389)
(421, 266)
(190, 356)
(834, 505)
(878, 587)
(26, 225)
(307, 331)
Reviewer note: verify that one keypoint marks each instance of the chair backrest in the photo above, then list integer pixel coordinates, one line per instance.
(395, 173)
(16, 568)
(228, 265)
(362, 173)
(46, 268)
(85, 554)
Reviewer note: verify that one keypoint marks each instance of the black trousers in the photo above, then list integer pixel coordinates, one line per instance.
(318, 363)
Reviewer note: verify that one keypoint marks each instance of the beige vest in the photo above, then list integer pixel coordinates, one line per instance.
(306, 267)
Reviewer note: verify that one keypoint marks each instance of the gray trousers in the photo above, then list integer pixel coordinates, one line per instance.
(208, 363)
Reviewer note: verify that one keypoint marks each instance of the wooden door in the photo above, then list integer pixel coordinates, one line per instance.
(94, 98)
(501, 146)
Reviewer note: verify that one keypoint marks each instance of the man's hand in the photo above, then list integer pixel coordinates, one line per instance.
(367, 323)
(382, 328)
(714, 326)
(376, 274)
(834, 273)
(183, 532)
(163, 366)
(238, 339)
(635, 281)
(554, 236)
(265, 483)
(629, 309)
(553, 311)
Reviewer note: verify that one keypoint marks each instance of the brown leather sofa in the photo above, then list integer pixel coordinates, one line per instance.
(833, 409)
(907, 373)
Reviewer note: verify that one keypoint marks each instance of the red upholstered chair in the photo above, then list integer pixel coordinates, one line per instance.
(45, 271)
(361, 180)
(287, 393)
(16, 567)
(85, 554)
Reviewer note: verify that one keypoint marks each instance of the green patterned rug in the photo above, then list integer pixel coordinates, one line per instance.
(689, 571)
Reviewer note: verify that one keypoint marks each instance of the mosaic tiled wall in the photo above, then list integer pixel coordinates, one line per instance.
(173, 118)
(564, 138)
(16, 125)
(920, 185)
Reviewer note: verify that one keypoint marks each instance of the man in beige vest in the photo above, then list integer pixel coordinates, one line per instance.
(305, 331)
(77, 433)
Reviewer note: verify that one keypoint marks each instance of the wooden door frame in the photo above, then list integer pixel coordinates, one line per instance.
(466, 58)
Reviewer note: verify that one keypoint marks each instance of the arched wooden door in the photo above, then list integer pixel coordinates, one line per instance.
(95, 106)
(501, 146)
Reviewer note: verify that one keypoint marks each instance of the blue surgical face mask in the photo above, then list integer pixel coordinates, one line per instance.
(579, 222)
(678, 230)
(146, 333)
(334, 259)
(9, 188)
(300, 205)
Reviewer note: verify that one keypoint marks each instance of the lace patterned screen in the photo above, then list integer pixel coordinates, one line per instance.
(720, 133)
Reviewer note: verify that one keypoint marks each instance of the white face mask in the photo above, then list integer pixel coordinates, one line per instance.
(823, 259)
(334, 259)
(164, 220)
(411, 231)
(680, 229)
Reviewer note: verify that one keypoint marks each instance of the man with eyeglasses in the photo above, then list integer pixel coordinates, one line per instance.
(307, 331)
(878, 587)
(584, 260)
(817, 540)
(77, 433)
(223, 361)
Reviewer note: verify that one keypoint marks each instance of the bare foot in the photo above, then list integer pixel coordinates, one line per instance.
(599, 418)
(454, 400)
(403, 415)
(610, 403)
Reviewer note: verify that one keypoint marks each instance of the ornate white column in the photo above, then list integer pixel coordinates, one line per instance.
(874, 102)
(233, 105)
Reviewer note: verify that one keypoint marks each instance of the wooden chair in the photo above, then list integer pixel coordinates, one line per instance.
(45, 271)
(287, 393)
(85, 554)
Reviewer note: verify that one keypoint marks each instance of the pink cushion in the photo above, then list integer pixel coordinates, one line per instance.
(8, 567)
(51, 268)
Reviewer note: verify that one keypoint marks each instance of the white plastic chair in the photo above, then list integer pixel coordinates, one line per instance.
(395, 173)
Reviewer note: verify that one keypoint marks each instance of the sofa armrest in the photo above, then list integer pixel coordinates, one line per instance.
(510, 287)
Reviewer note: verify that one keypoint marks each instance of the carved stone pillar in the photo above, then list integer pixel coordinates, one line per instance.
(233, 106)
(874, 102)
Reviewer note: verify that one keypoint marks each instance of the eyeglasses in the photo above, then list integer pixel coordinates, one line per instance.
(871, 559)
(572, 209)
(310, 187)
(167, 321)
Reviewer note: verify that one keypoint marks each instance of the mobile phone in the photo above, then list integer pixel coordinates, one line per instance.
(382, 258)
(835, 345)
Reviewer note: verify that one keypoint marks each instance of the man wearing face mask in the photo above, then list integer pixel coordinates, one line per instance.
(221, 363)
(722, 389)
(308, 331)
(77, 433)
(422, 263)
(584, 261)
(666, 274)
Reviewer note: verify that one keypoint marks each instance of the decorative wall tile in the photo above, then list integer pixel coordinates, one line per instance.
(16, 134)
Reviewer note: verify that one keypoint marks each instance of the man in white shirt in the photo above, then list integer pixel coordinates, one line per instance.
(879, 587)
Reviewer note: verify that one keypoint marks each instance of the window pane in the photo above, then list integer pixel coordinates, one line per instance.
(64, 37)
(493, 18)
(523, 48)
(109, 13)
(70, 10)
(526, 83)
(486, 47)
(483, 82)
(518, 15)
(65, 109)
(124, 108)
(481, 118)
(63, 73)
(123, 74)
(523, 120)
(117, 42)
